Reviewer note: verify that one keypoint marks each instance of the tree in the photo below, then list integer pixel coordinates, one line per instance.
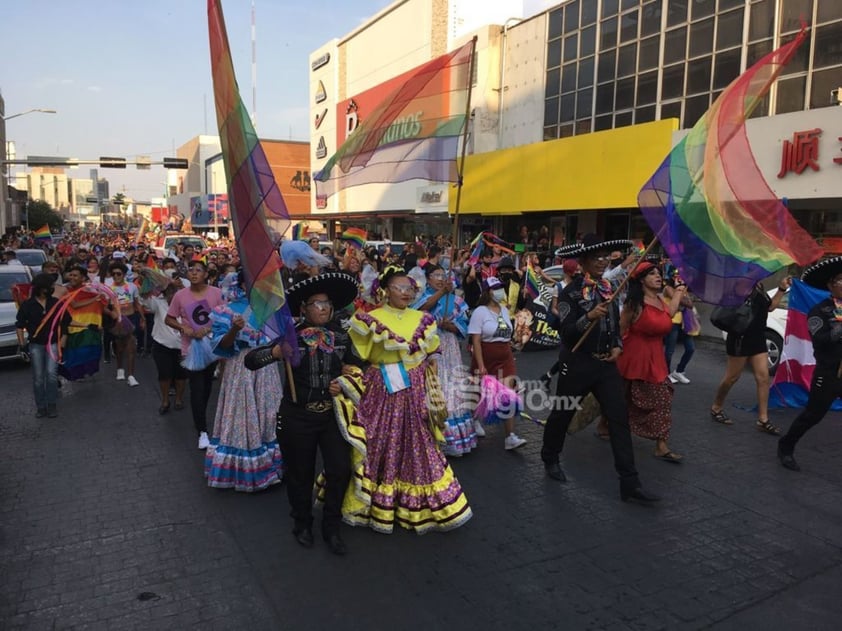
(39, 213)
(119, 200)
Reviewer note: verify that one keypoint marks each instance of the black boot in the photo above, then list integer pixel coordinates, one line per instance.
(788, 460)
(638, 494)
(335, 544)
(303, 534)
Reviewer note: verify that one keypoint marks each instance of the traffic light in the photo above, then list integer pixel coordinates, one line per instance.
(112, 163)
(175, 163)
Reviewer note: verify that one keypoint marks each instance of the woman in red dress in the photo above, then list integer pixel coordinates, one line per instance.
(645, 321)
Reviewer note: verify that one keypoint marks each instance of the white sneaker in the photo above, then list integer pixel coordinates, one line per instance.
(132, 381)
(673, 378)
(513, 441)
(479, 429)
(204, 442)
(121, 374)
(681, 377)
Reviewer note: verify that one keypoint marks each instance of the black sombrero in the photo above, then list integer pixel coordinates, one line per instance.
(568, 251)
(340, 288)
(592, 243)
(820, 274)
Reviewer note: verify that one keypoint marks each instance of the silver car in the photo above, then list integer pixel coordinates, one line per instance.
(32, 258)
(10, 275)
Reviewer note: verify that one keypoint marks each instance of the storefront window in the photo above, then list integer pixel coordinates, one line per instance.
(627, 60)
(698, 75)
(602, 123)
(584, 103)
(702, 8)
(675, 45)
(729, 30)
(794, 12)
(610, 7)
(554, 24)
(623, 119)
(571, 16)
(671, 110)
(553, 82)
(605, 98)
(647, 89)
(605, 68)
(701, 37)
(551, 111)
(673, 85)
(625, 93)
(568, 105)
(800, 60)
(791, 95)
(571, 47)
(676, 12)
(554, 54)
(628, 26)
(823, 82)
(650, 48)
(726, 68)
(644, 114)
(588, 12)
(586, 68)
(756, 52)
(608, 34)
(826, 11)
(583, 127)
(761, 20)
(587, 45)
(650, 20)
(568, 77)
(551, 132)
(565, 131)
(694, 108)
(828, 46)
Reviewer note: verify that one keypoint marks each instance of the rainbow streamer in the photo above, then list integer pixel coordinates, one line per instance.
(531, 283)
(708, 203)
(253, 194)
(299, 232)
(43, 234)
(355, 238)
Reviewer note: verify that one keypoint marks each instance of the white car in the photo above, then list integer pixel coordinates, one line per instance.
(10, 275)
(775, 331)
(33, 258)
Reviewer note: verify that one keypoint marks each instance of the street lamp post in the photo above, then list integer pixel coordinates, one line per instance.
(36, 109)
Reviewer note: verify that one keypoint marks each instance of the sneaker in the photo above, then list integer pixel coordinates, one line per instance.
(513, 441)
(204, 443)
(673, 378)
(681, 377)
(132, 381)
(121, 374)
(479, 429)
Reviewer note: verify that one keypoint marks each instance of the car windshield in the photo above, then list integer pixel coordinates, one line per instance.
(7, 279)
(34, 257)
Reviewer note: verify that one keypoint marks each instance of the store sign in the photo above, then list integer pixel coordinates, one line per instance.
(321, 149)
(321, 93)
(320, 118)
(318, 62)
(802, 152)
(431, 199)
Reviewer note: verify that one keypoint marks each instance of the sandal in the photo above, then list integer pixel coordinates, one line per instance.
(164, 409)
(606, 436)
(179, 405)
(720, 417)
(767, 428)
(670, 457)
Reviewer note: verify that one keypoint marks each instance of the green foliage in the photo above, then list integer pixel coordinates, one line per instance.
(40, 213)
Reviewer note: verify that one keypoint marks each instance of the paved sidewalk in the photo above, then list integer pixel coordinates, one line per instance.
(107, 523)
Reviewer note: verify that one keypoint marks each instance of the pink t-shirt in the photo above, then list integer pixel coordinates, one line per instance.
(193, 311)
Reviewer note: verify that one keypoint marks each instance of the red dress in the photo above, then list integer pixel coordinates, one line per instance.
(644, 368)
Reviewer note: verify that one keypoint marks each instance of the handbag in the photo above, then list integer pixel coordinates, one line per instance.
(734, 320)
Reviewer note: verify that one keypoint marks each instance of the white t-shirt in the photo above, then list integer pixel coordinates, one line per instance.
(161, 333)
(127, 293)
(490, 326)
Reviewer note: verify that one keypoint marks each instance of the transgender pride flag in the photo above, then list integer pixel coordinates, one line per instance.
(795, 371)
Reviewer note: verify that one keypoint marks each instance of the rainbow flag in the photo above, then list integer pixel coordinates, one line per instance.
(795, 370)
(476, 249)
(253, 194)
(43, 234)
(711, 208)
(531, 283)
(299, 232)
(355, 238)
(413, 134)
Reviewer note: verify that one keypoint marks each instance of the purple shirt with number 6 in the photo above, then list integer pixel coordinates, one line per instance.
(194, 309)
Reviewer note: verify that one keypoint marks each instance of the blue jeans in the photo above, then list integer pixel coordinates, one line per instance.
(44, 374)
(676, 335)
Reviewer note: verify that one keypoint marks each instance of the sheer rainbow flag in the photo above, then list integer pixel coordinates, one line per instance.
(413, 134)
(43, 234)
(355, 238)
(299, 232)
(253, 194)
(711, 208)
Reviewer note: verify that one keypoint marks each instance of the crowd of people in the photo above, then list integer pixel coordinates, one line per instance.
(373, 374)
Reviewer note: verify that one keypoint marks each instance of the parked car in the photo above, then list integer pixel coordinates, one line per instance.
(10, 275)
(167, 243)
(32, 258)
(775, 331)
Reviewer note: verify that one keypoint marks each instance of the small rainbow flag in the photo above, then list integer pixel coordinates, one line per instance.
(299, 232)
(355, 237)
(531, 283)
(43, 234)
(476, 249)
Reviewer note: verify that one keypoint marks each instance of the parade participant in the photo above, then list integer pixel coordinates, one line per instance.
(243, 452)
(491, 331)
(83, 347)
(451, 315)
(677, 332)
(475, 274)
(592, 366)
(43, 351)
(511, 280)
(166, 349)
(645, 321)
(189, 313)
(129, 300)
(750, 347)
(52, 268)
(402, 477)
(824, 322)
(306, 418)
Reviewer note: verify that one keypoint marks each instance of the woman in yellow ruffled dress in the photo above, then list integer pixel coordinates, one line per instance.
(400, 474)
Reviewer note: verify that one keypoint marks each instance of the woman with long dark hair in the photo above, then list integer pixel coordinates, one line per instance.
(644, 322)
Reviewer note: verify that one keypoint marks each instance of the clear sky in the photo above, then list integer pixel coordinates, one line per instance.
(132, 77)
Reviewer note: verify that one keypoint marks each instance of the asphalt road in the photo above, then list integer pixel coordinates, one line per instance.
(107, 523)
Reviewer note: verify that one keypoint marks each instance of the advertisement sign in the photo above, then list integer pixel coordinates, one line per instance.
(536, 328)
(209, 210)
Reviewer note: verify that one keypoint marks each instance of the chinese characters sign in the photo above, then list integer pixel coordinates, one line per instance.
(802, 152)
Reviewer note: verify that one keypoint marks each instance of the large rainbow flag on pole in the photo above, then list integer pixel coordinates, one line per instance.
(253, 194)
(711, 208)
(413, 134)
(43, 234)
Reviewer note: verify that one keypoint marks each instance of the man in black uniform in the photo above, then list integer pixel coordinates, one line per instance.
(306, 419)
(825, 325)
(592, 366)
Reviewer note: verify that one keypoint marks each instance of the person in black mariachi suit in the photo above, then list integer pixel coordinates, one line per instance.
(306, 419)
(592, 367)
(824, 322)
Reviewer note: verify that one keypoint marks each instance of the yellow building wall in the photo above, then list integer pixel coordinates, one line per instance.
(595, 171)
